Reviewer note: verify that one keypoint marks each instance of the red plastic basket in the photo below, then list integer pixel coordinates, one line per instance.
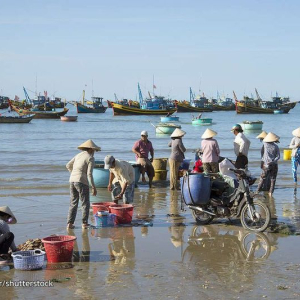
(99, 207)
(108, 204)
(123, 212)
(59, 248)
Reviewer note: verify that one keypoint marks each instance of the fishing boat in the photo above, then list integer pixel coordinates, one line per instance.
(166, 128)
(252, 125)
(196, 104)
(40, 114)
(16, 119)
(223, 104)
(124, 102)
(4, 102)
(169, 119)
(278, 111)
(69, 118)
(258, 106)
(95, 106)
(202, 121)
(101, 175)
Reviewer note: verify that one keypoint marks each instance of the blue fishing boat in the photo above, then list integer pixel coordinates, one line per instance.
(94, 106)
(169, 119)
(101, 175)
(252, 125)
(166, 128)
(202, 121)
(278, 111)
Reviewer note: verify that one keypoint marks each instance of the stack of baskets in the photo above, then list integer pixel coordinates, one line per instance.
(160, 168)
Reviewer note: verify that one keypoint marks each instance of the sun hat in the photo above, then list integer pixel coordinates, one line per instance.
(237, 127)
(262, 135)
(208, 133)
(144, 132)
(178, 133)
(271, 137)
(296, 132)
(89, 144)
(7, 210)
(108, 160)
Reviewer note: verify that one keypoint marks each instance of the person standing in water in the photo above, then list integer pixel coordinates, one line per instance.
(81, 169)
(295, 146)
(269, 161)
(176, 157)
(241, 147)
(142, 148)
(211, 152)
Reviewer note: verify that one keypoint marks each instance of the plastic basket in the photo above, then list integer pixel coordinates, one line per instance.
(123, 212)
(104, 220)
(29, 260)
(59, 248)
(99, 207)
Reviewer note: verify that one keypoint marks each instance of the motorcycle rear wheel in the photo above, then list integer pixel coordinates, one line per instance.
(202, 218)
(260, 221)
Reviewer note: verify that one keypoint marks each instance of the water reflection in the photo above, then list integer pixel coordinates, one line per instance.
(210, 244)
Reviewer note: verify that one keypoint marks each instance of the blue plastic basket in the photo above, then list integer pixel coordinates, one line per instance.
(29, 260)
(105, 220)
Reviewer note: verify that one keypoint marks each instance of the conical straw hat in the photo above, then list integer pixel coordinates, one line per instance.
(7, 210)
(178, 133)
(89, 144)
(208, 133)
(296, 132)
(271, 137)
(262, 135)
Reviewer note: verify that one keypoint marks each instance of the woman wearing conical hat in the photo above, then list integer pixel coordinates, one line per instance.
(211, 151)
(269, 161)
(81, 169)
(6, 236)
(295, 146)
(262, 135)
(176, 157)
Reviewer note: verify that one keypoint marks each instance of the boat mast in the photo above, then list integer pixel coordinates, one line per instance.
(83, 96)
(192, 96)
(140, 94)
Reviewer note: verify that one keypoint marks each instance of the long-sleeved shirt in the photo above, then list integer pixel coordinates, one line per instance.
(210, 150)
(123, 172)
(270, 154)
(294, 145)
(177, 150)
(4, 228)
(81, 167)
(241, 144)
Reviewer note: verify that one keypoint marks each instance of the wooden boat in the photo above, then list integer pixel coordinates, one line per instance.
(252, 125)
(166, 128)
(40, 114)
(126, 110)
(223, 104)
(202, 121)
(16, 119)
(69, 118)
(96, 105)
(169, 119)
(187, 107)
(278, 111)
(124, 102)
(101, 175)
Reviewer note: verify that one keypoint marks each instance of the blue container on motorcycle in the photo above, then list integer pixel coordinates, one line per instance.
(195, 189)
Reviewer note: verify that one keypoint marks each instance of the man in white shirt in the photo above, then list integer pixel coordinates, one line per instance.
(121, 179)
(241, 147)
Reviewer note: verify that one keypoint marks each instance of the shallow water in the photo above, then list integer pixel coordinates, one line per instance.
(171, 259)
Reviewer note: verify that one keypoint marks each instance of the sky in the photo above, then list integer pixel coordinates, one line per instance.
(107, 47)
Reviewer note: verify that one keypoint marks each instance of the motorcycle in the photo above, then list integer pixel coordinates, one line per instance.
(254, 214)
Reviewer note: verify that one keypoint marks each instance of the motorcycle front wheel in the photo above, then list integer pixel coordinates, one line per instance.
(202, 218)
(255, 217)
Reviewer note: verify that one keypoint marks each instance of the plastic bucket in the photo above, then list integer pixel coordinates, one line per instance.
(185, 165)
(107, 204)
(195, 189)
(123, 212)
(100, 207)
(287, 154)
(159, 163)
(160, 175)
(59, 248)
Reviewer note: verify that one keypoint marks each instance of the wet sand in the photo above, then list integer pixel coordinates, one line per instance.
(164, 255)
